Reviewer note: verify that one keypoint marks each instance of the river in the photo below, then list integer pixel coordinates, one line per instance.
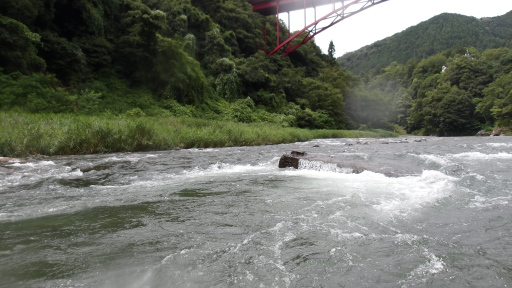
(229, 217)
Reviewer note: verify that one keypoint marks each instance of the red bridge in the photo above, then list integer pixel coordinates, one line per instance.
(341, 9)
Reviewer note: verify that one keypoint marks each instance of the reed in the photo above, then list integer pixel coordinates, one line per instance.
(66, 134)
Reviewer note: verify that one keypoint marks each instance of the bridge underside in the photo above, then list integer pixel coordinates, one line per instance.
(341, 9)
(267, 8)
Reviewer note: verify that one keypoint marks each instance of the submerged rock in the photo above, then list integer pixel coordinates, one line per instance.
(483, 133)
(291, 160)
(298, 153)
(8, 159)
(499, 131)
(303, 160)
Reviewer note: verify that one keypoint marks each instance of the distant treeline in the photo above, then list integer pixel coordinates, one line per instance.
(442, 32)
(456, 92)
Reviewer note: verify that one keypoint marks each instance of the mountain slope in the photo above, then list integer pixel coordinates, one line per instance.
(430, 37)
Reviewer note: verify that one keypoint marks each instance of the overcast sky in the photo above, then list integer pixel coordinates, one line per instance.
(388, 18)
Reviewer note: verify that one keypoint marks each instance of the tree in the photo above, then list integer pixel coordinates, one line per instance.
(322, 96)
(18, 47)
(445, 111)
(468, 74)
(456, 114)
(177, 75)
(331, 51)
(137, 48)
(227, 82)
(495, 104)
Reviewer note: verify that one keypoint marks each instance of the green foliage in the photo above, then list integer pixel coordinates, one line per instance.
(98, 51)
(326, 100)
(310, 57)
(214, 47)
(257, 72)
(430, 66)
(331, 51)
(499, 59)
(456, 114)
(241, 111)
(271, 101)
(32, 13)
(183, 18)
(176, 109)
(235, 16)
(456, 92)
(319, 119)
(34, 93)
(64, 58)
(447, 111)
(59, 134)
(158, 58)
(497, 102)
(429, 38)
(143, 23)
(468, 74)
(227, 83)
(178, 75)
(135, 112)
(18, 48)
(87, 101)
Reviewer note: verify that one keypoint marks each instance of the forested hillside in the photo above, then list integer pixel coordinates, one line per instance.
(199, 58)
(456, 92)
(204, 59)
(431, 37)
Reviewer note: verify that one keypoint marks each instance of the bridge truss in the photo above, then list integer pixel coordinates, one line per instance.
(341, 9)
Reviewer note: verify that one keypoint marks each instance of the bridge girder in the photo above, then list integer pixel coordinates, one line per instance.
(274, 7)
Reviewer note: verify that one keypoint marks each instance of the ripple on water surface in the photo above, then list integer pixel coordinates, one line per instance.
(230, 218)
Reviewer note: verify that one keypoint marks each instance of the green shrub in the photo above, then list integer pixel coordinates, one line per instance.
(176, 108)
(135, 112)
(87, 101)
(35, 93)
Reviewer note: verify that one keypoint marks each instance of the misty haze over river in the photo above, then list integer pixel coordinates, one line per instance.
(229, 217)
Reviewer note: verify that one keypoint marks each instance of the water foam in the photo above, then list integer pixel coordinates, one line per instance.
(421, 274)
(321, 166)
(482, 202)
(407, 194)
(32, 172)
(481, 156)
(226, 168)
(32, 164)
(433, 159)
(499, 144)
(398, 196)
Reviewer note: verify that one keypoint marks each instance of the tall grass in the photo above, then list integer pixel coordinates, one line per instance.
(65, 134)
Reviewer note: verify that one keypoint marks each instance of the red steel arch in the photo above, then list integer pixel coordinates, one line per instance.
(274, 7)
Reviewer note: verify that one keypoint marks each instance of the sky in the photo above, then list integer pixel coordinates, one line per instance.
(388, 18)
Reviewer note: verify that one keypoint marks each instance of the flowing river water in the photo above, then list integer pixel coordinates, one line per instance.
(229, 217)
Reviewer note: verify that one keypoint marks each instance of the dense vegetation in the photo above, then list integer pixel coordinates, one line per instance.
(161, 58)
(442, 32)
(64, 134)
(162, 61)
(456, 92)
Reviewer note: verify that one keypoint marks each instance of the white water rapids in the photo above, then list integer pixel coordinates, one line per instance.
(228, 217)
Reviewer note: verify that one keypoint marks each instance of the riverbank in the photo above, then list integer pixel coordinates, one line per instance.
(22, 135)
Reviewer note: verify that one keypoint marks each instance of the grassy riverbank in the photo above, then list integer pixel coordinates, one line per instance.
(65, 134)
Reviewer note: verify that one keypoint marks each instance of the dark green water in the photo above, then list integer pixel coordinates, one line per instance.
(230, 218)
